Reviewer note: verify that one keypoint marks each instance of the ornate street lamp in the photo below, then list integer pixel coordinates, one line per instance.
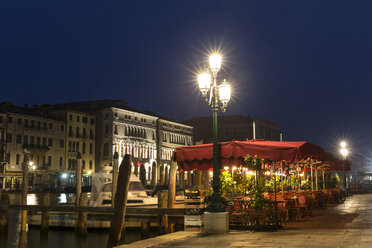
(219, 96)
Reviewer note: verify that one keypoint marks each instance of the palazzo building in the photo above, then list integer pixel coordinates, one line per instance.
(149, 138)
(22, 131)
(234, 127)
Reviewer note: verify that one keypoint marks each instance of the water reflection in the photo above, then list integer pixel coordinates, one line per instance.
(57, 237)
(36, 198)
(32, 199)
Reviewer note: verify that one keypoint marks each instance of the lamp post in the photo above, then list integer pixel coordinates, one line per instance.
(219, 96)
(344, 152)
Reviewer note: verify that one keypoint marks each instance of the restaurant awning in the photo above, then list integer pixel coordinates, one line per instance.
(199, 157)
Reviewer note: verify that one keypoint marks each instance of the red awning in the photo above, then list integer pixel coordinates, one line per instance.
(200, 157)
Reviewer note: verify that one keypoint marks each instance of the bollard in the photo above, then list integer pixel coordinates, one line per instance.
(45, 215)
(4, 213)
(81, 227)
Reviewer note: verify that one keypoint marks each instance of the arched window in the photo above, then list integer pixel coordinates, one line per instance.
(69, 131)
(144, 134)
(106, 149)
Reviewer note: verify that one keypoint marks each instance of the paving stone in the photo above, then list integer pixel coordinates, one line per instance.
(345, 225)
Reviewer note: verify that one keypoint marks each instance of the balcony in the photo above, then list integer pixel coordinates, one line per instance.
(72, 154)
(35, 147)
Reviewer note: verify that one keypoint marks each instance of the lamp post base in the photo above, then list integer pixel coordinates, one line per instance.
(216, 222)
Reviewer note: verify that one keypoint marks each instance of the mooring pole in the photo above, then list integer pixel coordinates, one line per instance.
(115, 169)
(78, 178)
(121, 196)
(24, 191)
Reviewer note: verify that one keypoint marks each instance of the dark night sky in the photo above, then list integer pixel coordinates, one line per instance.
(304, 64)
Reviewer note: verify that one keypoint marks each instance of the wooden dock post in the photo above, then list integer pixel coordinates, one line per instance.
(163, 219)
(182, 179)
(206, 180)
(115, 169)
(142, 176)
(199, 179)
(78, 178)
(121, 196)
(153, 175)
(24, 190)
(145, 229)
(172, 187)
(45, 215)
(81, 226)
(189, 179)
(166, 174)
(4, 213)
(162, 179)
(172, 183)
(135, 163)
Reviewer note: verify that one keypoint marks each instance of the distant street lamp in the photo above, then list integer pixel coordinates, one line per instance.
(344, 152)
(219, 96)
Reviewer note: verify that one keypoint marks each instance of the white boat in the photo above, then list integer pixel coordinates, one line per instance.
(102, 192)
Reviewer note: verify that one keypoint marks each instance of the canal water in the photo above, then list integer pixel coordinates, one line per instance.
(66, 238)
(58, 237)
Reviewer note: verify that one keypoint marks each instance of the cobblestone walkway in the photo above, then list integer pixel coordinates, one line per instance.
(345, 225)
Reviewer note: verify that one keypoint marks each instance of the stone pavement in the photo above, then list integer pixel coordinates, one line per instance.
(345, 225)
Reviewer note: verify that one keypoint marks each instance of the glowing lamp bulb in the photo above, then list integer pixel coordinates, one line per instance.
(204, 80)
(343, 144)
(224, 91)
(215, 61)
(344, 152)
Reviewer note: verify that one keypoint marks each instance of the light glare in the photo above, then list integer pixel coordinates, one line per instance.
(204, 80)
(215, 61)
(343, 144)
(224, 92)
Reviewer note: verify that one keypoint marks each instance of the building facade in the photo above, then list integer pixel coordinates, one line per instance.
(80, 138)
(234, 127)
(42, 137)
(149, 138)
